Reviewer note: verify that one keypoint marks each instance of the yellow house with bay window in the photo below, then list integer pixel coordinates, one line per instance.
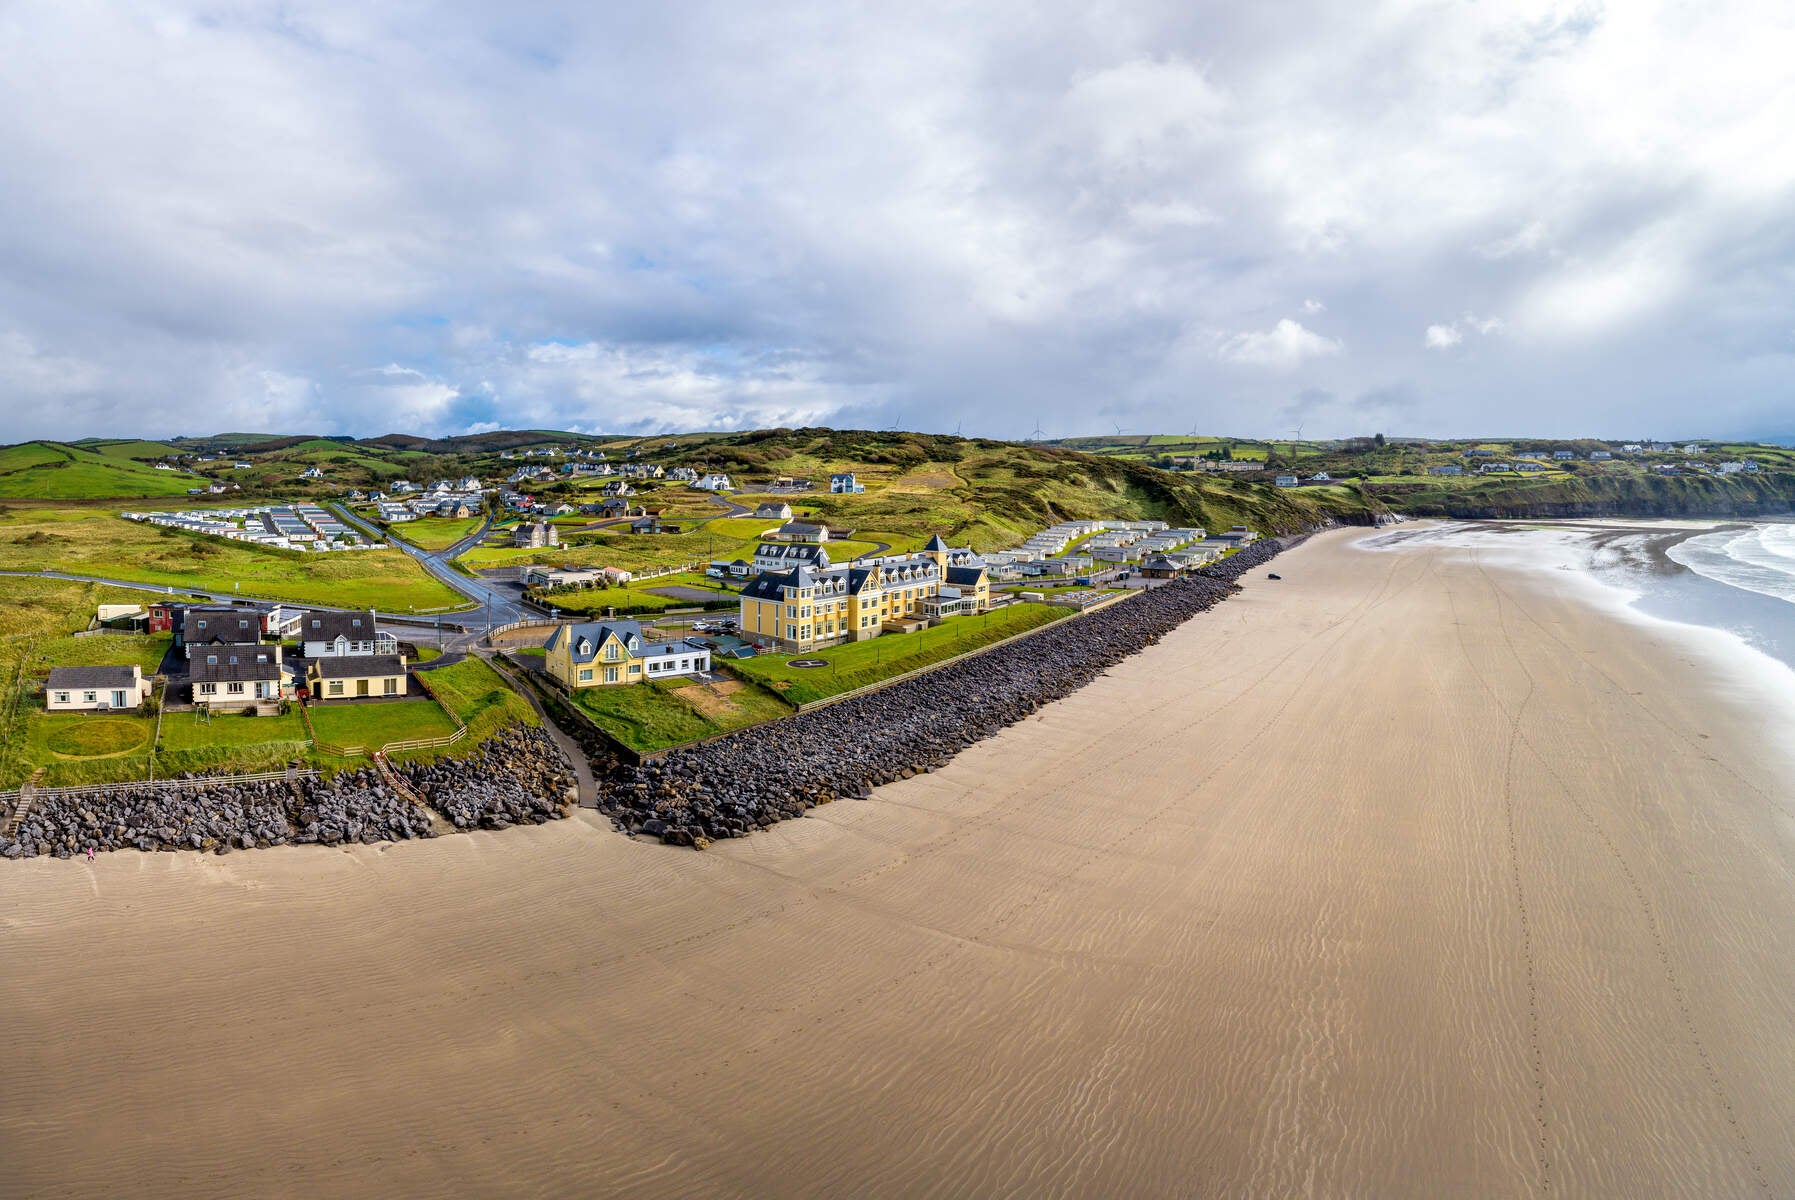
(594, 654)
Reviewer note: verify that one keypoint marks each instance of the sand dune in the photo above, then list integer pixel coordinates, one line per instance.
(1406, 876)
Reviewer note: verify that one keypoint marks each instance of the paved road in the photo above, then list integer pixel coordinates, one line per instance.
(582, 766)
(499, 604)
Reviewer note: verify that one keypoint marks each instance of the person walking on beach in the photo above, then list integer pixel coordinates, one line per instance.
(90, 854)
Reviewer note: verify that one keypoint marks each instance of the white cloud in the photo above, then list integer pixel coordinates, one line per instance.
(1287, 344)
(1444, 337)
(1524, 241)
(945, 219)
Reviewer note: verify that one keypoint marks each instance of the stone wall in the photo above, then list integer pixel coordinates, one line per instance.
(731, 786)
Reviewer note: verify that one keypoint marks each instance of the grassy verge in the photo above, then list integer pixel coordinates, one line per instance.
(478, 697)
(655, 715)
(858, 664)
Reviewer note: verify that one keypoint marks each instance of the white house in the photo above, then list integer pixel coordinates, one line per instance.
(72, 689)
(345, 634)
(714, 482)
(312, 473)
(845, 482)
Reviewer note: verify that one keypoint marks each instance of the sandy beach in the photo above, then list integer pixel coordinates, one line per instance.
(1408, 875)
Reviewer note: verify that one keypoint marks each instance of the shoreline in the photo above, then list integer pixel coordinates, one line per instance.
(1625, 571)
(1402, 876)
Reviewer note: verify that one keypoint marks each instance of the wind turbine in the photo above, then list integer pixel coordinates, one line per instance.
(1038, 433)
(1296, 436)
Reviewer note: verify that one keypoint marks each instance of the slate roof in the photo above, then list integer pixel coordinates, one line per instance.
(794, 552)
(596, 633)
(934, 544)
(364, 667)
(964, 576)
(229, 626)
(226, 671)
(326, 626)
(99, 678)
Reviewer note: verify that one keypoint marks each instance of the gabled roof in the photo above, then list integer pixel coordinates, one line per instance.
(934, 544)
(244, 668)
(328, 626)
(964, 575)
(92, 677)
(585, 640)
(229, 626)
(359, 668)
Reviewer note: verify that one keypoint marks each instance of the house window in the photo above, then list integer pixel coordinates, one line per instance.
(62, 697)
(336, 687)
(611, 652)
(586, 675)
(89, 697)
(392, 687)
(208, 689)
(212, 658)
(235, 689)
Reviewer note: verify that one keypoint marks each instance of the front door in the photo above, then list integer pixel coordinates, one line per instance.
(361, 687)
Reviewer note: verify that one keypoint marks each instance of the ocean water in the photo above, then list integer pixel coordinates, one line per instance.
(1758, 558)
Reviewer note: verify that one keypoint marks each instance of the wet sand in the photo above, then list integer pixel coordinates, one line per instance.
(1404, 876)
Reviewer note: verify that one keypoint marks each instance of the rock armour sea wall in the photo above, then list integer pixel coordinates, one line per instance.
(516, 778)
(752, 779)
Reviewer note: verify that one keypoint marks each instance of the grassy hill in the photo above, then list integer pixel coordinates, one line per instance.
(59, 471)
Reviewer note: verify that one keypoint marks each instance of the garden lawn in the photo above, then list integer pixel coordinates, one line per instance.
(77, 748)
(374, 724)
(654, 715)
(857, 664)
(87, 540)
(230, 742)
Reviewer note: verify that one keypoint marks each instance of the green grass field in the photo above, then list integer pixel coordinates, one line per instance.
(139, 450)
(54, 471)
(436, 533)
(88, 540)
(75, 748)
(374, 725)
(655, 715)
(858, 664)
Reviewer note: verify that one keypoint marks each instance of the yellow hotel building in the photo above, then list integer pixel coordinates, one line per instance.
(818, 606)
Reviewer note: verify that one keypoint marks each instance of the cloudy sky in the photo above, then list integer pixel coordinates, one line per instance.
(1423, 218)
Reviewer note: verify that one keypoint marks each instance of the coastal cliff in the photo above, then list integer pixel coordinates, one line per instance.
(1764, 495)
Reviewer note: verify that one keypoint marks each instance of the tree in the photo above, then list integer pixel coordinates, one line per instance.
(1378, 441)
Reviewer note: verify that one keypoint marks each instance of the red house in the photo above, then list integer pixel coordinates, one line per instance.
(162, 618)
